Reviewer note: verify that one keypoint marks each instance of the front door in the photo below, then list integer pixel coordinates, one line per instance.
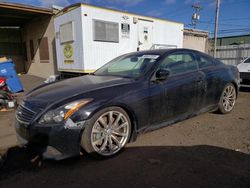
(145, 34)
(175, 97)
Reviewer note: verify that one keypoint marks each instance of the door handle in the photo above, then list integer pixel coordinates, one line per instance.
(200, 77)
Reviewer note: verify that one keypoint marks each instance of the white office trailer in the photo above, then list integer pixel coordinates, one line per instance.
(88, 36)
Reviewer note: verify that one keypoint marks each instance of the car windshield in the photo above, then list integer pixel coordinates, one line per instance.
(132, 65)
(247, 60)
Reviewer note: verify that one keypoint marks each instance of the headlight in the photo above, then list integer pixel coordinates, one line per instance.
(62, 113)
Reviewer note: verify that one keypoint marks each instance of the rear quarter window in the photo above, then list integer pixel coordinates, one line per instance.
(205, 61)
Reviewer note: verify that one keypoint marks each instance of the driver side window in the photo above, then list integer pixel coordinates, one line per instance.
(178, 63)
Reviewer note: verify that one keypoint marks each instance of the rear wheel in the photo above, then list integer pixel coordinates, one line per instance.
(228, 99)
(107, 132)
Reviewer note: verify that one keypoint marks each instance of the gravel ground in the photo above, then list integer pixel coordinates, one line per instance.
(210, 150)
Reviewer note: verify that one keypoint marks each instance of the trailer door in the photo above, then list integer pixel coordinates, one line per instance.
(145, 35)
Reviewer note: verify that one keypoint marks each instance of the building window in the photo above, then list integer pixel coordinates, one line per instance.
(44, 50)
(67, 32)
(106, 31)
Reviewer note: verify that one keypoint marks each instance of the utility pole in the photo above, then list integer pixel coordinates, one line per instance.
(196, 15)
(216, 26)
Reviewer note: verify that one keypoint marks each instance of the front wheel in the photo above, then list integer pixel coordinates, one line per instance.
(106, 133)
(228, 99)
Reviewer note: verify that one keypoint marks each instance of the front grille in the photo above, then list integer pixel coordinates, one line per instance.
(245, 82)
(24, 115)
(245, 75)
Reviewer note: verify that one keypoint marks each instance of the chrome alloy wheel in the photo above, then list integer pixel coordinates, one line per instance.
(229, 98)
(110, 133)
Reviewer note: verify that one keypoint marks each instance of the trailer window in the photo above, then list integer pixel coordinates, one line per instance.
(106, 31)
(67, 32)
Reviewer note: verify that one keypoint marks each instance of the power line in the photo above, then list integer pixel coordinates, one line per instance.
(223, 3)
(205, 22)
(232, 30)
(229, 19)
(210, 22)
(235, 29)
(238, 2)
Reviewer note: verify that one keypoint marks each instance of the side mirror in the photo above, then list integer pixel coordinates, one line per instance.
(162, 74)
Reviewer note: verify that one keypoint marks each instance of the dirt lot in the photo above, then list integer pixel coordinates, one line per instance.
(210, 150)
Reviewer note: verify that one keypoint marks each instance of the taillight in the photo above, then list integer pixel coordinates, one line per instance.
(2, 82)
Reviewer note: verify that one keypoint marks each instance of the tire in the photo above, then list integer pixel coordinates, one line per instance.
(106, 133)
(227, 99)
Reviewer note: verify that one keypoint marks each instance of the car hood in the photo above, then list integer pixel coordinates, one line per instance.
(62, 90)
(244, 67)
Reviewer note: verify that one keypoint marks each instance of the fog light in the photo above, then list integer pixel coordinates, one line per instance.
(69, 124)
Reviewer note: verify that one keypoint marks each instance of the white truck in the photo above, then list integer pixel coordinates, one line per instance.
(88, 36)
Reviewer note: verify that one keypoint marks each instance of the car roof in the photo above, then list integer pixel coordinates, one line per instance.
(155, 51)
(162, 51)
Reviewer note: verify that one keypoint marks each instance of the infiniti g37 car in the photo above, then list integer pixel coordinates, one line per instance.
(134, 93)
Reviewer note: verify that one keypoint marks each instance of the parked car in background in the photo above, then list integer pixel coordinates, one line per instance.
(244, 69)
(132, 94)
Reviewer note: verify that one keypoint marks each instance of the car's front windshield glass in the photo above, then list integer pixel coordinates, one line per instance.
(132, 65)
(247, 60)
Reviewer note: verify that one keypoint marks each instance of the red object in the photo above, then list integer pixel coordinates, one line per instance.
(3, 87)
(2, 81)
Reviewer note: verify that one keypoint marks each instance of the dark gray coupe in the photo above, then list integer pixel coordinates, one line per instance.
(134, 93)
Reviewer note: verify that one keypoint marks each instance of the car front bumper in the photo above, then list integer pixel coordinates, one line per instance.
(54, 141)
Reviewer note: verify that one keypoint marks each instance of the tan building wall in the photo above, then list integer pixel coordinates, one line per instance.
(195, 39)
(41, 58)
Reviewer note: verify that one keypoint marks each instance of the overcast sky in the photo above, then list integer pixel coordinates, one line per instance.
(234, 16)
